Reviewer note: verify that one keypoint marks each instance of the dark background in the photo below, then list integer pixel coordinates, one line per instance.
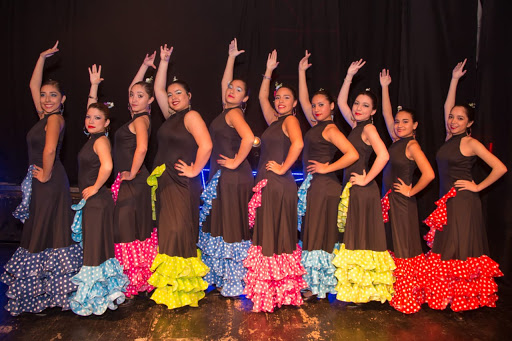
(419, 41)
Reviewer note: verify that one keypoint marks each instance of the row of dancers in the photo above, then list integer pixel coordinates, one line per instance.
(159, 239)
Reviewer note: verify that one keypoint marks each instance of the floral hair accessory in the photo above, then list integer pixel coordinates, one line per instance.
(149, 80)
(174, 79)
(321, 89)
(367, 89)
(278, 86)
(399, 108)
(109, 105)
(472, 105)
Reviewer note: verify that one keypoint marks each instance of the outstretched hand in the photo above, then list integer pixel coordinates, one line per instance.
(355, 66)
(165, 52)
(304, 62)
(458, 70)
(95, 75)
(385, 78)
(272, 62)
(233, 50)
(149, 60)
(50, 52)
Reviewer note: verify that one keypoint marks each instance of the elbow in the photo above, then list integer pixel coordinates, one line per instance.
(49, 151)
(430, 175)
(141, 150)
(298, 144)
(384, 156)
(354, 156)
(503, 169)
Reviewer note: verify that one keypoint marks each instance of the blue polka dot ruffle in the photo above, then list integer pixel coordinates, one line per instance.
(225, 261)
(21, 212)
(99, 287)
(302, 193)
(209, 193)
(320, 272)
(76, 227)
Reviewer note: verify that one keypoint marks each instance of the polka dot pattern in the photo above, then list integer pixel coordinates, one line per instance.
(99, 287)
(384, 203)
(21, 212)
(136, 259)
(319, 274)
(115, 187)
(255, 201)
(225, 261)
(274, 281)
(153, 182)
(178, 281)
(437, 219)
(363, 275)
(343, 207)
(209, 193)
(302, 203)
(76, 227)
(41, 280)
(411, 280)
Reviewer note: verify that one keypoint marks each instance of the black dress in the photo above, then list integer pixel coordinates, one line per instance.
(403, 212)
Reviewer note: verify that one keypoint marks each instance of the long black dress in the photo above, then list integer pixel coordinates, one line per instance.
(38, 274)
(224, 239)
(135, 238)
(178, 269)
(364, 238)
(461, 273)
(274, 274)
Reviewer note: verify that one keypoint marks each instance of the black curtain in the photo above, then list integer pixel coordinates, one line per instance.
(419, 41)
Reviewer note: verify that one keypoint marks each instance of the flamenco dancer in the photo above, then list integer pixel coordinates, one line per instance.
(462, 275)
(39, 272)
(274, 276)
(405, 155)
(101, 281)
(319, 194)
(224, 239)
(184, 147)
(364, 266)
(135, 238)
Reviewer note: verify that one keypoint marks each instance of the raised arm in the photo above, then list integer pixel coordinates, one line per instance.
(268, 110)
(161, 79)
(387, 111)
(141, 126)
(102, 149)
(37, 78)
(149, 60)
(303, 89)
(227, 77)
(415, 153)
(235, 118)
(195, 125)
(343, 95)
(457, 73)
(291, 127)
(95, 78)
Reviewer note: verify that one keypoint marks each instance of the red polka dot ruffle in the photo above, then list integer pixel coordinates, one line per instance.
(437, 219)
(411, 278)
(384, 204)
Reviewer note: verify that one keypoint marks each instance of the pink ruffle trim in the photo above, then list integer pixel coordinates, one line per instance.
(255, 201)
(115, 187)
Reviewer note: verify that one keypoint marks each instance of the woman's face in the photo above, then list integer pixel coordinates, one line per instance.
(362, 109)
(458, 121)
(404, 125)
(284, 102)
(95, 121)
(321, 107)
(51, 99)
(177, 97)
(235, 93)
(139, 99)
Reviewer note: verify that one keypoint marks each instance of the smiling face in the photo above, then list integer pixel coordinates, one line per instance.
(95, 121)
(236, 93)
(363, 108)
(458, 121)
(177, 97)
(404, 124)
(321, 107)
(284, 102)
(139, 99)
(51, 99)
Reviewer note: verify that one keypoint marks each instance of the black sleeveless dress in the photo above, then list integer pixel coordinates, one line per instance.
(132, 212)
(403, 211)
(98, 213)
(365, 228)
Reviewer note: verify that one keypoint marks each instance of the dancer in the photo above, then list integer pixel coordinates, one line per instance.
(274, 274)
(224, 239)
(462, 274)
(320, 192)
(135, 238)
(365, 268)
(101, 281)
(184, 147)
(405, 155)
(39, 272)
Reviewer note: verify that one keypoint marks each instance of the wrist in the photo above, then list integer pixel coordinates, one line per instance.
(266, 77)
(92, 97)
(348, 78)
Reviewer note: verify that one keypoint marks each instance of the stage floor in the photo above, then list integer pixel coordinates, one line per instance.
(218, 318)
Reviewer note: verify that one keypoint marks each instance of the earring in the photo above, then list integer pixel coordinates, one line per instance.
(371, 119)
(86, 132)
(294, 111)
(468, 131)
(61, 108)
(414, 134)
(243, 106)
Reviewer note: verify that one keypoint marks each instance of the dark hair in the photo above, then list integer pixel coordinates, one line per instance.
(182, 83)
(470, 111)
(410, 111)
(324, 93)
(55, 84)
(373, 97)
(289, 87)
(246, 88)
(148, 87)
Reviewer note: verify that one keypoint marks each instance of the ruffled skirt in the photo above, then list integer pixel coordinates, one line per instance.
(319, 275)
